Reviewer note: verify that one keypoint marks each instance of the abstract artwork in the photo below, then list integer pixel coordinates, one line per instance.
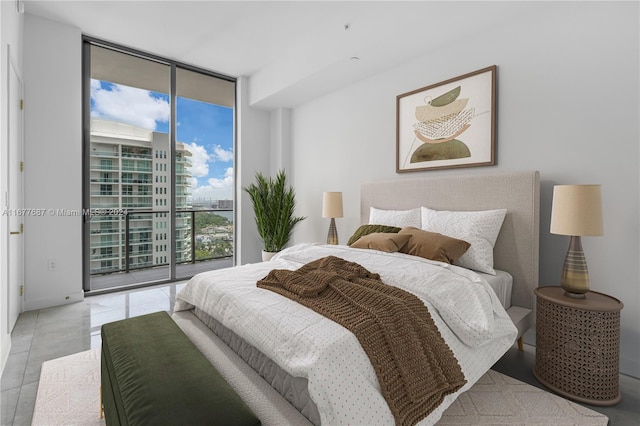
(448, 124)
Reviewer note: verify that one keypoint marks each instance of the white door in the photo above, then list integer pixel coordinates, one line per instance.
(14, 198)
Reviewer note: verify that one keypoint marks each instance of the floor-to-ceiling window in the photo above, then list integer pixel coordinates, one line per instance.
(158, 161)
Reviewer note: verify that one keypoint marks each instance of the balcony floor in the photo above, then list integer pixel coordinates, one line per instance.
(161, 273)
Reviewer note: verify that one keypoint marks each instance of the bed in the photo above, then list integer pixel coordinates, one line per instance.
(332, 382)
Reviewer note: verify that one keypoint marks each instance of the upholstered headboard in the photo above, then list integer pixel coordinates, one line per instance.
(516, 250)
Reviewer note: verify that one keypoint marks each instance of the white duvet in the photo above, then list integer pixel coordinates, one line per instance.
(342, 381)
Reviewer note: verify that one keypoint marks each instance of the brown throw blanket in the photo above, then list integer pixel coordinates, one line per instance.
(414, 365)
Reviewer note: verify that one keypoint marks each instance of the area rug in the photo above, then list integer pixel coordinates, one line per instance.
(69, 394)
(69, 391)
(496, 399)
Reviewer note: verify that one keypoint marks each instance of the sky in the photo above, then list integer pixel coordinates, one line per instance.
(205, 129)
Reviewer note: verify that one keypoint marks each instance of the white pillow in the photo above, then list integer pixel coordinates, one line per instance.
(398, 218)
(479, 228)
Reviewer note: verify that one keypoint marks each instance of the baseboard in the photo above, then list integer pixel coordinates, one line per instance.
(6, 348)
(47, 302)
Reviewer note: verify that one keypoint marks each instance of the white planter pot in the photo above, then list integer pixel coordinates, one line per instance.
(267, 255)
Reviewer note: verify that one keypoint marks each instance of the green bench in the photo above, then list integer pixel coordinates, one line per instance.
(152, 374)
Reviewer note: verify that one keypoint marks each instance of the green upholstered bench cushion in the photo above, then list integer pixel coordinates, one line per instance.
(152, 374)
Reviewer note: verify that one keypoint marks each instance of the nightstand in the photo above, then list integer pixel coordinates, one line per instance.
(578, 345)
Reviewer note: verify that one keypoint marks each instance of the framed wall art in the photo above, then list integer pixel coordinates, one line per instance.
(448, 124)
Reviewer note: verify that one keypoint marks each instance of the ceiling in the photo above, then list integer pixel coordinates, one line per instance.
(291, 51)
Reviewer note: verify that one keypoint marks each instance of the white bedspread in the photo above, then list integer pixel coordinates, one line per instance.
(342, 381)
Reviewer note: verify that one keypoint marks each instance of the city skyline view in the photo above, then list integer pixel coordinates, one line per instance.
(205, 129)
(130, 182)
(159, 199)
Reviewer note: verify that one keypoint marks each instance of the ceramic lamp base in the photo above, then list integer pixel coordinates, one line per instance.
(575, 275)
(332, 237)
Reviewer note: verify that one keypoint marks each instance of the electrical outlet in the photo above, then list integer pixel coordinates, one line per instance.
(51, 265)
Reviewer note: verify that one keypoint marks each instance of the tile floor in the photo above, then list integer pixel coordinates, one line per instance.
(55, 332)
(63, 330)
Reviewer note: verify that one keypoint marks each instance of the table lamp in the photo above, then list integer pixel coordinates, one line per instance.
(576, 211)
(332, 208)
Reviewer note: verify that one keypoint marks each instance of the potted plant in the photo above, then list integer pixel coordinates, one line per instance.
(273, 204)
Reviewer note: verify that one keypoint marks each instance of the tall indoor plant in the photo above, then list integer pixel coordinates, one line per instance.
(273, 204)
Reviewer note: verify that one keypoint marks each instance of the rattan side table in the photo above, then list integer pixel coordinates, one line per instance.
(578, 345)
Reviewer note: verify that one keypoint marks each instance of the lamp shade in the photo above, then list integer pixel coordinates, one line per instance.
(576, 210)
(332, 204)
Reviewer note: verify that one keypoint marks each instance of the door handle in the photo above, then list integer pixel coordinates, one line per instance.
(14, 233)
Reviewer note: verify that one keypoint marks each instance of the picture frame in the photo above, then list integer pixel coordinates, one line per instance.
(448, 124)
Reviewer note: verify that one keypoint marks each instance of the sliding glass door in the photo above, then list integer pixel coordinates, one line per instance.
(204, 172)
(156, 134)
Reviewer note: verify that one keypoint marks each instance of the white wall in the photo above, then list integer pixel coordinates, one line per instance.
(280, 140)
(253, 155)
(568, 106)
(53, 162)
(11, 23)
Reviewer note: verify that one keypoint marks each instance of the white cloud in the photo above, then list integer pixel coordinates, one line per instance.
(216, 189)
(226, 181)
(222, 154)
(199, 160)
(128, 105)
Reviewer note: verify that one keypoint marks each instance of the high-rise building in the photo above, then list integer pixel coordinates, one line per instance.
(130, 172)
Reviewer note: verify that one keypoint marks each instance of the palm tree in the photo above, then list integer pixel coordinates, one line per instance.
(273, 205)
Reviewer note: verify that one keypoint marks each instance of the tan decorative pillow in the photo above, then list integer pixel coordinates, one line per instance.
(369, 229)
(433, 246)
(383, 241)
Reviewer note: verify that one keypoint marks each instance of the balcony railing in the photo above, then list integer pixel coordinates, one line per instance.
(104, 154)
(104, 167)
(137, 169)
(105, 256)
(105, 180)
(131, 205)
(184, 161)
(190, 249)
(132, 155)
(140, 241)
(105, 193)
(105, 231)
